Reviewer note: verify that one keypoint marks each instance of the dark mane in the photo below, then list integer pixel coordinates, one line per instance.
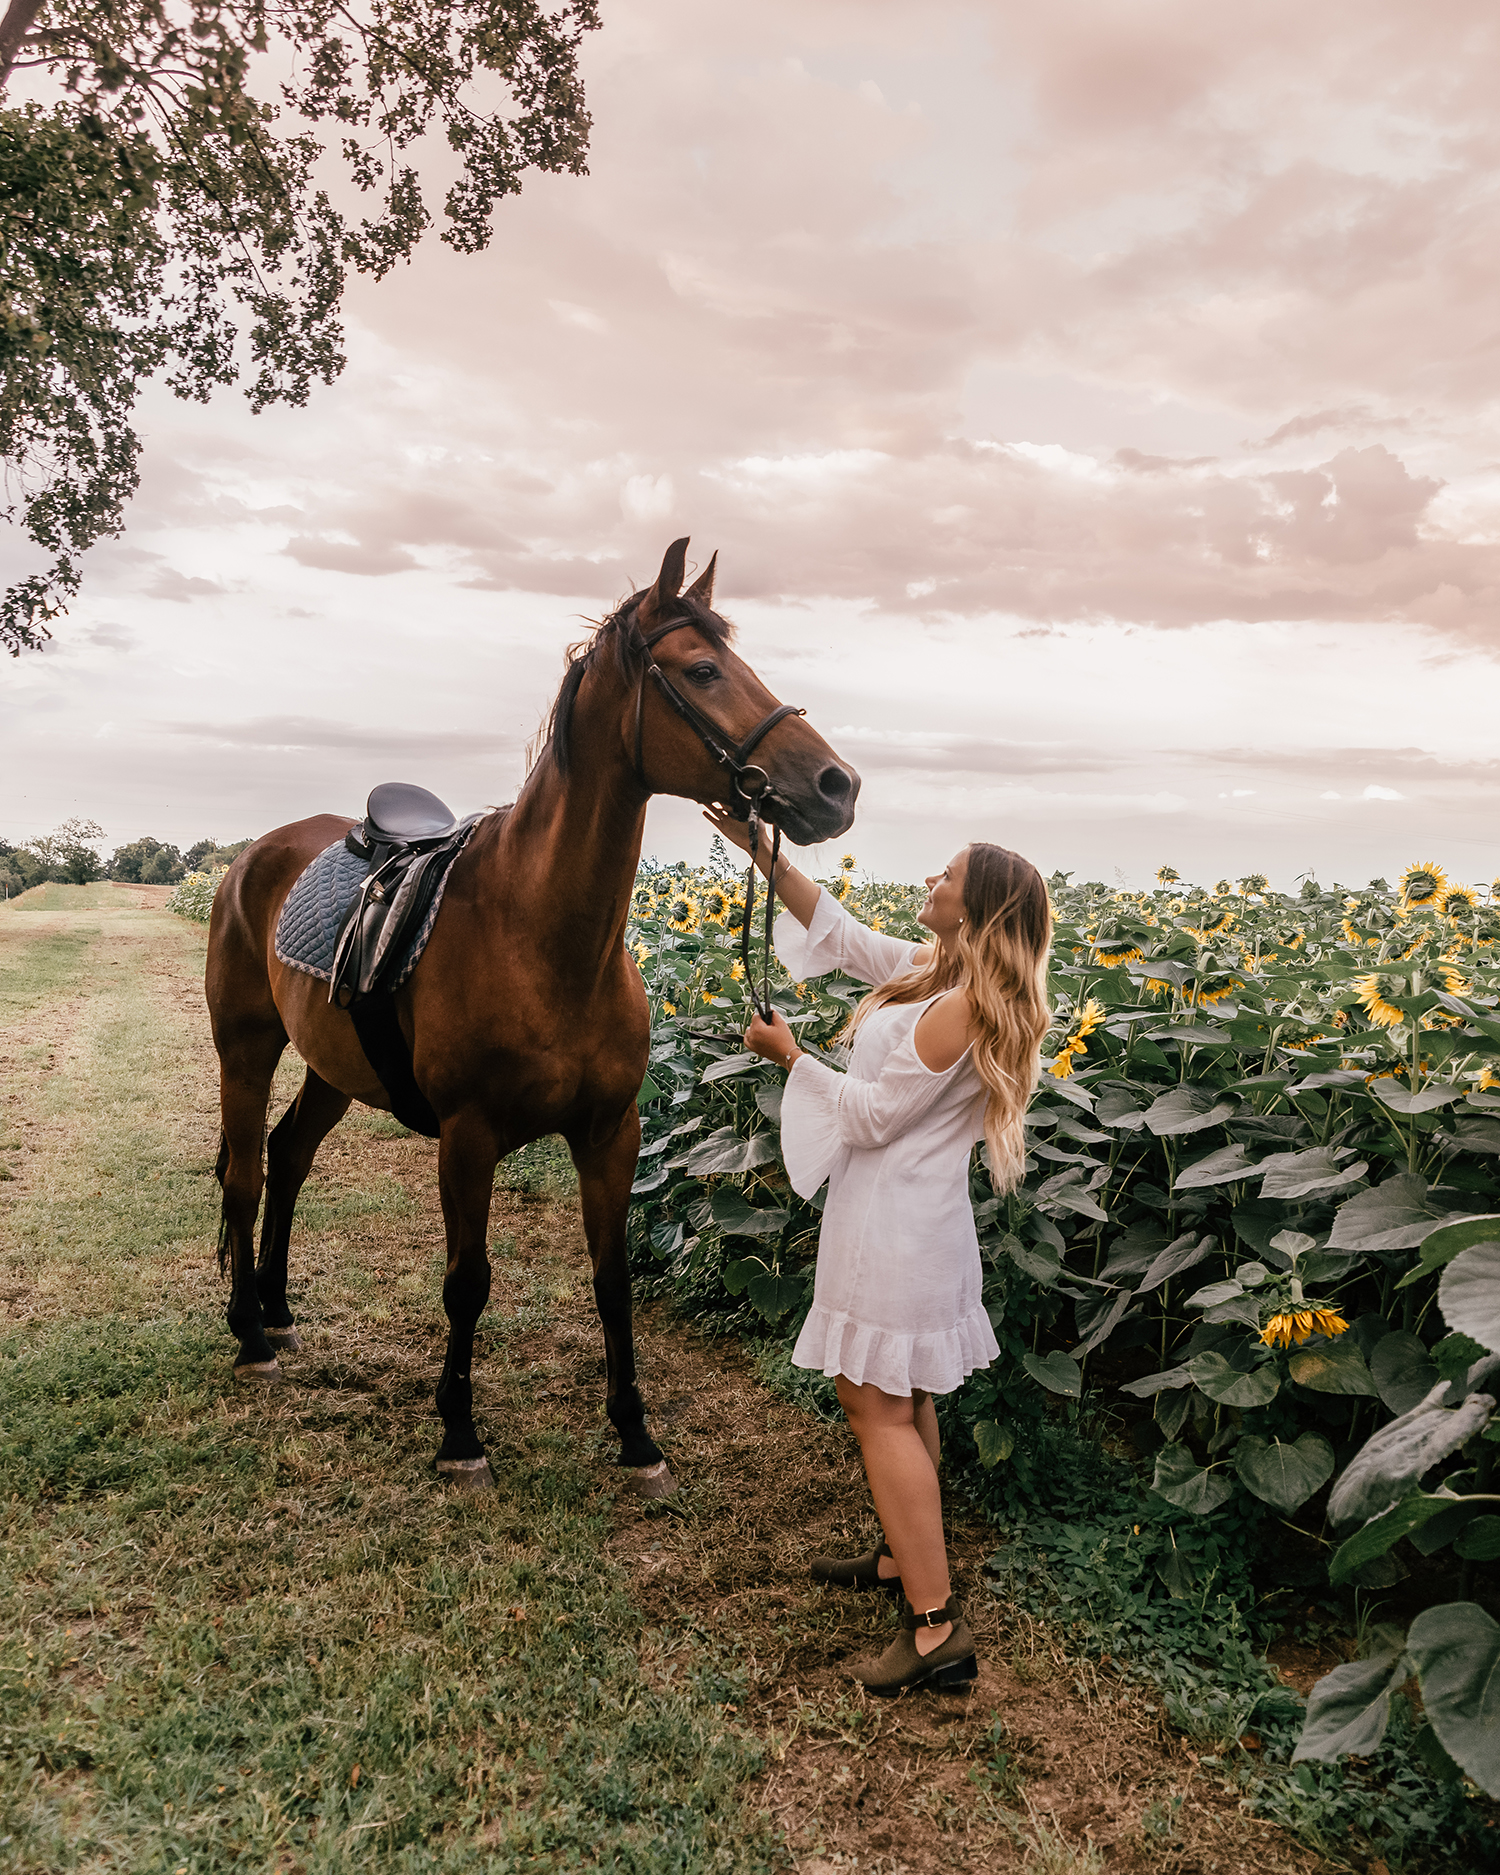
(616, 637)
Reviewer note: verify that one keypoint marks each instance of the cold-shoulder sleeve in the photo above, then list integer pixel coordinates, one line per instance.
(822, 1111)
(835, 940)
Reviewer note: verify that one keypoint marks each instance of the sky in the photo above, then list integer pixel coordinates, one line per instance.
(1093, 406)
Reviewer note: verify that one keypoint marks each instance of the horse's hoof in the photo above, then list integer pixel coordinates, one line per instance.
(467, 1474)
(259, 1373)
(285, 1340)
(651, 1480)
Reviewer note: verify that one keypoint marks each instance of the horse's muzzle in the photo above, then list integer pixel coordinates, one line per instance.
(820, 811)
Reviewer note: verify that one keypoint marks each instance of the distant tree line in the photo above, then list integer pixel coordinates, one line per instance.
(71, 855)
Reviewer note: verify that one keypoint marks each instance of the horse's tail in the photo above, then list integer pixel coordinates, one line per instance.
(221, 1166)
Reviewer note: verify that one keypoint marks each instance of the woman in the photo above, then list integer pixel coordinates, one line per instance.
(945, 1052)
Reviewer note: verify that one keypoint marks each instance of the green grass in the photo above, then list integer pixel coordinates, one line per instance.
(250, 1631)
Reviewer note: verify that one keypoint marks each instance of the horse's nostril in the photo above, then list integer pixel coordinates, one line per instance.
(836, 784)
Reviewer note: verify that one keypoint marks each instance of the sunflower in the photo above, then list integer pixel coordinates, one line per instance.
(1488, 1080)
(715, 905)
(1423, 885)
(1224, 989)
(1384, 1015)
(737, 970)
(682, 912)
(1458, 899)
(1295, 1325)
(848, 863)
(1167, 875)
(1453, 980)
(1154, 986)
(669, 1009)
(842, 886)
(642, 902)
(1222, 888)
(1255, 885)
(1110, 958)
(1087, 1020)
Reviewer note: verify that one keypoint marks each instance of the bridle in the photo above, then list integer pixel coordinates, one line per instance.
(751, 783)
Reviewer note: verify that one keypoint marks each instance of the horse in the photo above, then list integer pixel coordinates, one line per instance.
(526, 1014)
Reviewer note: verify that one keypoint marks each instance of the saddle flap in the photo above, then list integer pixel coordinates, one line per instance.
(399, 810)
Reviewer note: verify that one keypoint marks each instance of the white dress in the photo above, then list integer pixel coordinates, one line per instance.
(896, 1300)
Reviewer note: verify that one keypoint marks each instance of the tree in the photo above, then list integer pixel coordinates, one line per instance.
(157, 200)
(207, 855)
(146, 862)
(70, 854)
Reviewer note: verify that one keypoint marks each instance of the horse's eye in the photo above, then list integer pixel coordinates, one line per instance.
(701, 673)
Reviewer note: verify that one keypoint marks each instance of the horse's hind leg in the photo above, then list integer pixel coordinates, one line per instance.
(605, 1174)
(290, 1151)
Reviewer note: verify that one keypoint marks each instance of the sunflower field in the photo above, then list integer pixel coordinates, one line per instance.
(1255, 1263)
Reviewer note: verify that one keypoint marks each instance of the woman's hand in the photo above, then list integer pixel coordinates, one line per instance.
(773, 1040)
(737, 833)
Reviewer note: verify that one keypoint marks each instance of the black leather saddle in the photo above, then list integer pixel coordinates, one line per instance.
(399, 814)
(410, 839)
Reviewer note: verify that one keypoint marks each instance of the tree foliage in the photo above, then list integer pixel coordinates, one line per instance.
(161, 211)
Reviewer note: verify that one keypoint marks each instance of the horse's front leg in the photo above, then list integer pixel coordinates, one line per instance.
(467, 1157)
(605, 1175)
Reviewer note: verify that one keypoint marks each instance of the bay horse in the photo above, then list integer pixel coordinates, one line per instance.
(526, 1014)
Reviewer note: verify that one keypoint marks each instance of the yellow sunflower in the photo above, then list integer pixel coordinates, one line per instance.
(715, 905)
(1488, 1080)
(1425, 884)
(1222, 888)
(1453, 980)
(848, 863)
(1154, 986)
(682, 912)
(1087, 1020)
(842, 886)
(1218, 994)
(1383, 1014)
(1296, 1325)
(1167, 875)
(1460, 898)
(1110, 958)
(642, 902)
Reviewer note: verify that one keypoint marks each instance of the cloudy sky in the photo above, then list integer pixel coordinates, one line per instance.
(1093, 406)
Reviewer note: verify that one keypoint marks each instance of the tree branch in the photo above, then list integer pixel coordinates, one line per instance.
(19, 19)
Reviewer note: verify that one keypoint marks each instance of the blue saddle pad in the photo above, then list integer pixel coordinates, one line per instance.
(307, 930)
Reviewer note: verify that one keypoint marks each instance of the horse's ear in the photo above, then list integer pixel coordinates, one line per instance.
(668, 584)
(702, 588)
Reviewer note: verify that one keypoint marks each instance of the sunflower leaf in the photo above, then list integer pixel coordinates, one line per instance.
(1337, 1368)
(1348, 1709)
(1281, 1474)
(1469, 1294)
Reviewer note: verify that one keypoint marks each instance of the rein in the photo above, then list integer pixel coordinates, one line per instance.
(751, 783)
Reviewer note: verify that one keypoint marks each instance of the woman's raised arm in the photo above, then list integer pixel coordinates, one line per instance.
(795, 890)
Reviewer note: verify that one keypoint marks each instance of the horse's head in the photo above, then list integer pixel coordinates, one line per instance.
(698, 721)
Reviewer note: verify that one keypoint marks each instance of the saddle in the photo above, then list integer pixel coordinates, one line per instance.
(359, 917)
(408, 839)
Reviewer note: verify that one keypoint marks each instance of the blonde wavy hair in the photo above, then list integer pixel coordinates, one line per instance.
(1000, 958)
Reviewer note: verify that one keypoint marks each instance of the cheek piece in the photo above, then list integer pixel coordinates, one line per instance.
(751, 784)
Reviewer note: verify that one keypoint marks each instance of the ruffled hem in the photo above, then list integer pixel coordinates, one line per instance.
(879, 1357)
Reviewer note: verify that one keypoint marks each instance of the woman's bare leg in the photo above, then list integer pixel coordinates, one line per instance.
(898, 1440)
